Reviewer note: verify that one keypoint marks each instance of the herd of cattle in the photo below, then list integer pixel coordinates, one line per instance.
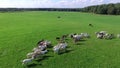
(41, 49)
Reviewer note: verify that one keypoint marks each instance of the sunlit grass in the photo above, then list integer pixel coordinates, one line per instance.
(19, 33)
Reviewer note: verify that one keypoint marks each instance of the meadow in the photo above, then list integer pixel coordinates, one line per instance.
(20, 32)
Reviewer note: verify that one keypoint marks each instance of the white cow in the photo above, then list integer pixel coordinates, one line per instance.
(101, 34)
(104, 32)
(85, 35)
(38, 54)
(29, 55)
(27, 61)
(118, 35)
(47, 43)
(61, 47)
(42, 47)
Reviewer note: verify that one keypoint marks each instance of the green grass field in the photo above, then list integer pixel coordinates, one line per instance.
(20, 32)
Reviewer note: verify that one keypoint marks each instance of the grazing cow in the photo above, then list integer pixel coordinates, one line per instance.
(64, 36)
(85, 35)
(36, 48)
(56, 49)
(76, 37)
(41, 52)
(27, 61)
(118, 35)
(36, 51)
(90, 25)
(43, 44)
(71, 35)
(38, 54)
(109, 36)
(58, 17)
(47, 43)
(104, 35)
(40, 42)
(58, 38)
(61, 47)
(101, 34)
(42, 47)
(29, 55)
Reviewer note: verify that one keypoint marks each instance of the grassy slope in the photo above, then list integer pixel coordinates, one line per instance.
(19, 33)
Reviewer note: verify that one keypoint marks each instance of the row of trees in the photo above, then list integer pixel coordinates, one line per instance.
(110, 9)
(39, 9)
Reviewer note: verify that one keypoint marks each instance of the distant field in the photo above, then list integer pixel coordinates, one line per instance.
(20, 31)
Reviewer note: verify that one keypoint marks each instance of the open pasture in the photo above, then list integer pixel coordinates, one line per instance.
(20, 32)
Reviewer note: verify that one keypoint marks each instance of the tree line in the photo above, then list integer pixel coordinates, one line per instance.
(108, 9)
(40, 9)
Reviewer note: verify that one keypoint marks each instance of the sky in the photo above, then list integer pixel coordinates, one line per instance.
(52, 3)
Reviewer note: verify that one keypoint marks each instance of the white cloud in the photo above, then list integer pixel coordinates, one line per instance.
(53, 3)
(113, 1)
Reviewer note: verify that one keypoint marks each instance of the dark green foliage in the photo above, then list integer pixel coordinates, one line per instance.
(110, 9)
(102, 9)
(39, 9)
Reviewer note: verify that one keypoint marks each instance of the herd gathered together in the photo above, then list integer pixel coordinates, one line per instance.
(41, 49)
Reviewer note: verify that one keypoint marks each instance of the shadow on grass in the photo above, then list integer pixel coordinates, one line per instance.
(68, 46)
(50, 46)
(82, 40)
(67, 51)
(32, 65)
(44, 58)
(66, 39)
(79, 43)
(37, 62)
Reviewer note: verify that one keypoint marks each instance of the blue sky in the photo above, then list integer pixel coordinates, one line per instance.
(52, 3)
